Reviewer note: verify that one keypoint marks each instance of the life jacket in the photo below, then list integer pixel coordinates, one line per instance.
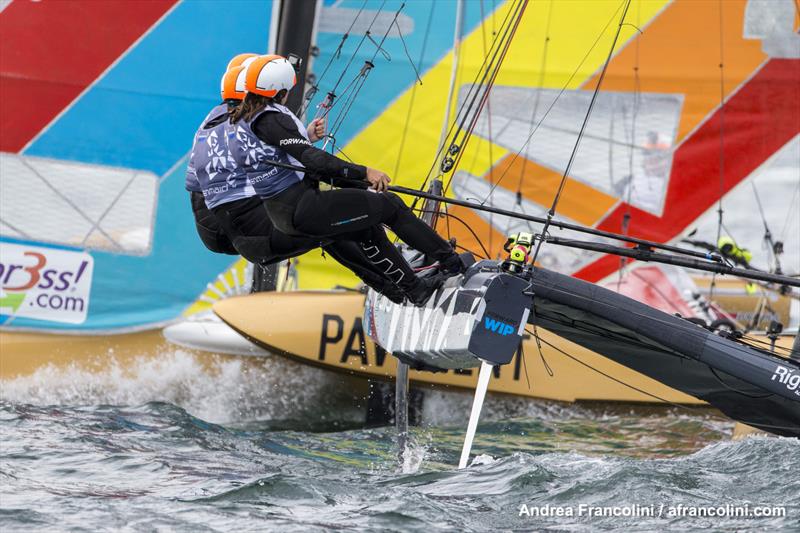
(211, 162)
(253, 155)
(192, 184)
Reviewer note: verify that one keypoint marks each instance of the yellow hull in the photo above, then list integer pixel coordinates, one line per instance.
(741, 431)
(325, 329)
(760, 306)
(23, 353)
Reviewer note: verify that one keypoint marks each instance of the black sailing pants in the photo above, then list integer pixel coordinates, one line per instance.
(343, 213)
(213, 236)
(256, 239)
(359, 214)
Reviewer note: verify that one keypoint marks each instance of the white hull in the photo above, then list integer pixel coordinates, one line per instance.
(206, 332)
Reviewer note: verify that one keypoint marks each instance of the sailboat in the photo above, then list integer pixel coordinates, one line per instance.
(97, 244)
(680, 182)
(479, 319)
(329, 330)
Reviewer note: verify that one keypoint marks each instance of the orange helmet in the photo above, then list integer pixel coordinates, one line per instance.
(232, 84)
(268, 75)
(238, 60)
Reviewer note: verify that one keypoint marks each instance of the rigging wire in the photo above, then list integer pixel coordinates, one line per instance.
(775, 263)
(626, 217)
(312, 91)
(405, 45)
(461, 146)
(473, 87)
(682, 406)
(358, 82)
(414, 91)
(721, 143)
(551, 213)
(489, 118)
(492, 67)
(555, 100)
(609, 376)
(358, 47)
(537, 100)
(455, 74)
(484, 72)
(324, 108)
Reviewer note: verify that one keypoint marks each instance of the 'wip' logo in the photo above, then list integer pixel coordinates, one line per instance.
(787, 377)
(498, 327)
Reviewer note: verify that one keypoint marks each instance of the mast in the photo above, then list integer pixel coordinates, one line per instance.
(295, 30)
(291, 29)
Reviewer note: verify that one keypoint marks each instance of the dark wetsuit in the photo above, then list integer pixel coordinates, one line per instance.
(208, 229)
(242, 227)
(211, 234)
(353, 214)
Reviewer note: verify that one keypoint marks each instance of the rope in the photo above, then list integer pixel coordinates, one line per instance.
(469, 228)
(312, 91)
(551, 213)
(721, 144)
(553, 103)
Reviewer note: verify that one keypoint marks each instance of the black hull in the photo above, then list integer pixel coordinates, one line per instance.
(748, 384)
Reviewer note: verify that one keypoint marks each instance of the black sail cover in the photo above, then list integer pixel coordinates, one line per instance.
(748, 384)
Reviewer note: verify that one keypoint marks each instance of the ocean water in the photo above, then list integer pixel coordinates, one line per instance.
(171, 446)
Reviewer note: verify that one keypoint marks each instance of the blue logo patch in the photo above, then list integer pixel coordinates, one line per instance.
(498, 327)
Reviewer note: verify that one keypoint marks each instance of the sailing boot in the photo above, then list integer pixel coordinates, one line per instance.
(454, 263)
(418, 235)
(351, 255)
(391, 291)
(421, 292)
(388, 259)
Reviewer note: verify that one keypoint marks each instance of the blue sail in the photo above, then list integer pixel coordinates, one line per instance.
(127, 136)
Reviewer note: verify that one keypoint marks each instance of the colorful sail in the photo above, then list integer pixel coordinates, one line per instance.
(98, 114)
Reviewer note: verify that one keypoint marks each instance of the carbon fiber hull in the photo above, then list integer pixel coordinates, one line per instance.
(747, 383)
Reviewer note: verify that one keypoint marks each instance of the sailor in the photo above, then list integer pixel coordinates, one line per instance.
(655, 156)
(208, 229)
(228, 195)
(741, 256)
(266, 130)
(728, 247)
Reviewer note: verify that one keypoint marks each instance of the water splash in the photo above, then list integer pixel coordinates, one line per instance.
(217, 389)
